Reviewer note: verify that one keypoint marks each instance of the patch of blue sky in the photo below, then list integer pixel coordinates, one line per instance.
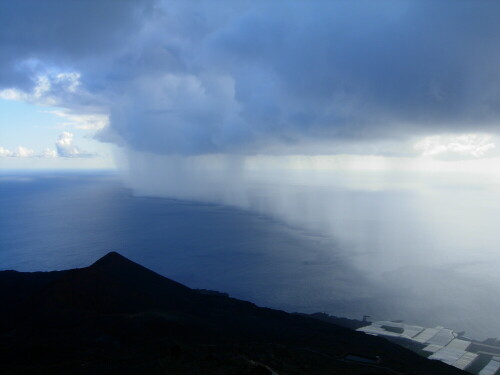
(28, 125)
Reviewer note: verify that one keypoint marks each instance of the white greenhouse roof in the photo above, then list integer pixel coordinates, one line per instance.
(491, 368)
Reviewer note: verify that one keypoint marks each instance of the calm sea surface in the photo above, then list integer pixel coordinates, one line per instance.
(58, 221)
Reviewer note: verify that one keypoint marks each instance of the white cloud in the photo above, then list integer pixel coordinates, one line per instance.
(13, 94)
(19, 152)
(90, 121)
(48, 153)
(475, 145)
(5, 153)
(67, 149)
(23, 152)
(58, 89)
(45, 89)
(42, 87)
(38, 94)
(69, 80)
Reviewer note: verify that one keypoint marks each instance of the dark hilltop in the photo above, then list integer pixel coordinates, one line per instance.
(117, 317)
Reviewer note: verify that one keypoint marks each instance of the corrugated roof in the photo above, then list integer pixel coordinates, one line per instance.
(491, 368)
(464, 361)
(441, 342)
(376, 328)
(432, 348)
(447, 355)
(443, 337)
(426, 335)
(458, 344)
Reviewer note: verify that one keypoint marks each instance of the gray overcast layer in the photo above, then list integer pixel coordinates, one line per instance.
(212, 76)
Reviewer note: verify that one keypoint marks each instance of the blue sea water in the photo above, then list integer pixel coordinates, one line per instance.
(60, 221)
(53, 221)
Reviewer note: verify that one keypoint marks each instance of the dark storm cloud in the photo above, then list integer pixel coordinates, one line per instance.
(341, 66)
(63, 33)
(200, 77)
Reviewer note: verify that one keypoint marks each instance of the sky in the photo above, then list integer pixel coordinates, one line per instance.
(395, 79)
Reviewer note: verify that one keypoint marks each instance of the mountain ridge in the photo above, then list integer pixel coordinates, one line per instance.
(134, 320)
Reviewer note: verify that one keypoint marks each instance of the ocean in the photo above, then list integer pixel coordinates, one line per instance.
(56, 220)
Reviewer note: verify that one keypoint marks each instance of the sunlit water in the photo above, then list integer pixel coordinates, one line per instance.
(429, 258)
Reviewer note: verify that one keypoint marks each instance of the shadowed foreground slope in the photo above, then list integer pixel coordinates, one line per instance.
(117, 317)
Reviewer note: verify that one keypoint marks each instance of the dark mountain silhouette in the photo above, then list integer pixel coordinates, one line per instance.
(117, 317)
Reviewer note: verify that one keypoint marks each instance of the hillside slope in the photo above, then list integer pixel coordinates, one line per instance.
(117, 317)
